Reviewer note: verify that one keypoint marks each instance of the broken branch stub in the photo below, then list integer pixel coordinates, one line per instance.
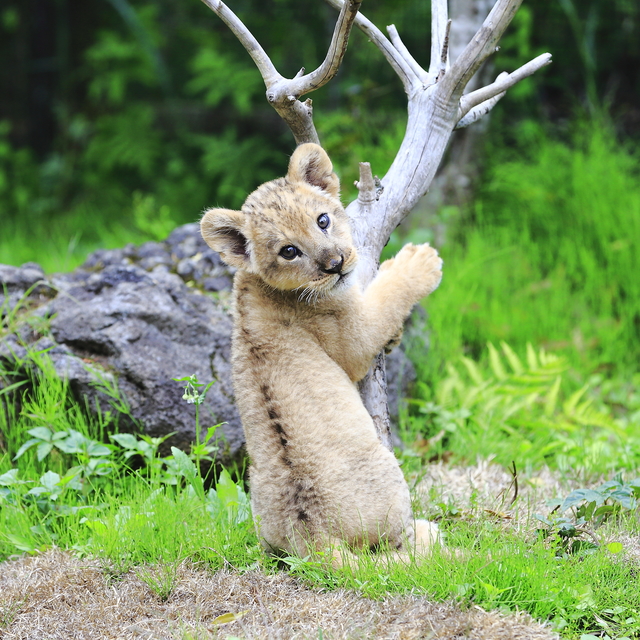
(436, 107)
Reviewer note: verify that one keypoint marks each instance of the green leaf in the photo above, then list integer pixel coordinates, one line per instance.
(184, 463)
(75, 442)
(623, 497)
(50, 480)
(97, 450)
(551, 400)
(571, 403)
(126, 440)
(472, 368)
(227, 489)
(10, 478)
(604, 510)
(614, 547)
(496, 363)
(42, 433)
(211, 431)
(71, 478)
(511, 356)
(188, 469)
(25, 447)
(12, 387)
(43, 450)
(577, 496)
(21, 543)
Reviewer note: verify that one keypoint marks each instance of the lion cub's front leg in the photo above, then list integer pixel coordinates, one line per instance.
(402, 281)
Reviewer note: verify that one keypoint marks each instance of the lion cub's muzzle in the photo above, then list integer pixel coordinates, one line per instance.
(333, 265)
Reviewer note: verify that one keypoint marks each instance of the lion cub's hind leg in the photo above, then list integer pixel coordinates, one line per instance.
(427, 535)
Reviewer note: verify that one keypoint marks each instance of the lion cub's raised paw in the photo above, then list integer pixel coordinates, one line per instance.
(422, 265)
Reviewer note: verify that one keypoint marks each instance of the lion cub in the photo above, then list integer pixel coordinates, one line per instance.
(304, 334)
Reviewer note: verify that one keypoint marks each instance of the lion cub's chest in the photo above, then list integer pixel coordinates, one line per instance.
(270, 325)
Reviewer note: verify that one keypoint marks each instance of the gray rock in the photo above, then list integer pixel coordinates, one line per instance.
(132, 319)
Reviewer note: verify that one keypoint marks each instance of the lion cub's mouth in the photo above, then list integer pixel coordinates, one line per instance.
(343, 278)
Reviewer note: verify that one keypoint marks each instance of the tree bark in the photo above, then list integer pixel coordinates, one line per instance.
(436, 106)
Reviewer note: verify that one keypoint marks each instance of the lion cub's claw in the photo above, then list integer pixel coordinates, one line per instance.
(394, 342)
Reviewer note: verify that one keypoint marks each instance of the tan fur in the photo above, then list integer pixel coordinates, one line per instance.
(304, 334)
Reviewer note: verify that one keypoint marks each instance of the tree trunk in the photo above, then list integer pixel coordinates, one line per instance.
(436, 106)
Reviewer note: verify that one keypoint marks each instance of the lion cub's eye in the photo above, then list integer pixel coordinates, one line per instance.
(289, 252)
(323, 221)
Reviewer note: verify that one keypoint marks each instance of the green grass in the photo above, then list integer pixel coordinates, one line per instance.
(526, 410)
(533, 360)
(496, 568)
(542, 263)
(65, 244)
(547, 256)
(120, 501)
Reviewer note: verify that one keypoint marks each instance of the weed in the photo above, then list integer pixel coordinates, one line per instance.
(201, 450)
(588, 509)
(517, 409)
(160, 577)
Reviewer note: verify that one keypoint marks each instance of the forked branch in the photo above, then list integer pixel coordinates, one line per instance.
(437, 105)
(502, 83)
(394, 58)
(283, 93)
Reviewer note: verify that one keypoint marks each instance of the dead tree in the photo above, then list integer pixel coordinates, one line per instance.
(437, 105)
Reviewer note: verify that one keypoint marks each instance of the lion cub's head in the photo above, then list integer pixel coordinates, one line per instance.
(292, 232)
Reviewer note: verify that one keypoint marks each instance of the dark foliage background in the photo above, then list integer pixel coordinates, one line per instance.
(136, 114)
(120, 119)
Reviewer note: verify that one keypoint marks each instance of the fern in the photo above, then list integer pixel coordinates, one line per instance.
(517, 409)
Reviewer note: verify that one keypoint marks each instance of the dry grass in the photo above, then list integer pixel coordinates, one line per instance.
(490, 487)
(56, 596)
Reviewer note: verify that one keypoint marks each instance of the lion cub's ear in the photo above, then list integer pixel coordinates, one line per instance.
(222, 231)
(310, 163)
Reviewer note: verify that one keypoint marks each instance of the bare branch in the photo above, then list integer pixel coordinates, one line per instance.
(502, 83)
(261, 59)
(367, 193)
(404, 52)
(480, 111)
(337, 48)
(444, 56)
(481, 46)
(439, 19)
(283, 93)
(299, 117)
(397, 62)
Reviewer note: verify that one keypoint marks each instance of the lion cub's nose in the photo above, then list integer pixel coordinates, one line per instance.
(333, 266)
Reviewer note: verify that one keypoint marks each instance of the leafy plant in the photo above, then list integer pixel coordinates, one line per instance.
(202, 449)
(558, 272)
(516, 409)
(588, 509)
